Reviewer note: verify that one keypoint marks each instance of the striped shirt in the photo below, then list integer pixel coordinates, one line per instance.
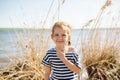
(59, 70)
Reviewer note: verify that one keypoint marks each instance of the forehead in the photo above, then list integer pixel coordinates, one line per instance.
(60, 30)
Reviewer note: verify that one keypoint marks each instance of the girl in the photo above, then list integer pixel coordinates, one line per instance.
(62, 61)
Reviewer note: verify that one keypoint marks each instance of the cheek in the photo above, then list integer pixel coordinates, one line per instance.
(66, 39)
(54, 39)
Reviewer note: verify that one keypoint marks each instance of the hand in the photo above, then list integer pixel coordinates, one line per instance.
(61, 55)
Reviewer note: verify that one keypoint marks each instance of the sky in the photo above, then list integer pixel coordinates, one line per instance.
(39, 13)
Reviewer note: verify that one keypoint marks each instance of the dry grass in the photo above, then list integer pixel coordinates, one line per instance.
(28, 67)
(101, 55)
(102, 64)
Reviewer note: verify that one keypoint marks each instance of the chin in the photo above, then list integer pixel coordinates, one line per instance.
(61, 44)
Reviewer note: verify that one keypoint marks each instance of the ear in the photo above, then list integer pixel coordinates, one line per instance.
(69, 37)
(51, 36)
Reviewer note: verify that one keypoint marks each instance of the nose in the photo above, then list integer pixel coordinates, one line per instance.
(60, 37)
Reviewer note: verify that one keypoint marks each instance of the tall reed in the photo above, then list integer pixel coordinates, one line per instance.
(28, 67)
(101, 53)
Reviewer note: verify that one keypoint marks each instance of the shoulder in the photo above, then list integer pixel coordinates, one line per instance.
(72, 49)
(51, 51)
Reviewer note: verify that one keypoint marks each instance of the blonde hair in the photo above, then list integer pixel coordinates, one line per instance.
(62, 25)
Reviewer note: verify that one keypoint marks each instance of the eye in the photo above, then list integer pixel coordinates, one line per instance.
(56, 35)
(63, 35)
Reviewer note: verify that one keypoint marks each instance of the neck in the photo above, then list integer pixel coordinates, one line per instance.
(62, 49)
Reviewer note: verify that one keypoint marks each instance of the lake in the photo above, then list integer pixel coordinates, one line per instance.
(8, 39)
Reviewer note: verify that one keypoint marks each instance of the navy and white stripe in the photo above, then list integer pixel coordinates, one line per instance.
(59, 70)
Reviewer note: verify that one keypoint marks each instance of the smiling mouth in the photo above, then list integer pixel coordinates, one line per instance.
(60, 41)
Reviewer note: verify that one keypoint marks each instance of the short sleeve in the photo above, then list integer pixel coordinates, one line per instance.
(46, 60)
(77, 60)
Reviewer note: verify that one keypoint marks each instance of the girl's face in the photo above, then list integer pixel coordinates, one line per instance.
(60, 36)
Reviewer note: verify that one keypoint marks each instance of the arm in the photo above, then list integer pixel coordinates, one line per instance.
(72, 67)
(69, 64)
(47, 72)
